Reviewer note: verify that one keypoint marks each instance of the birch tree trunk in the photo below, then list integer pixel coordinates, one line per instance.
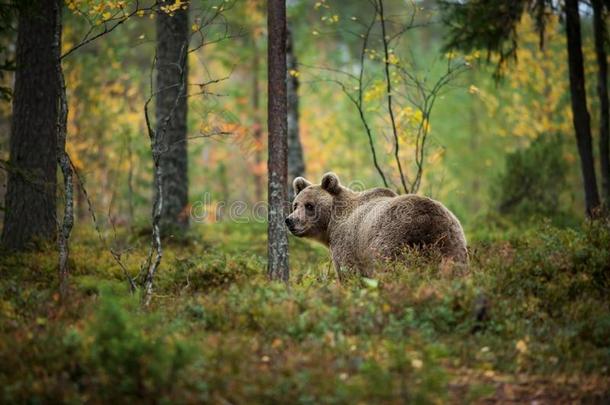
(63, 160)
(581, 119)
(30, 197)
(599, 29)
(296, 164)
(171, 102)
(278, 145)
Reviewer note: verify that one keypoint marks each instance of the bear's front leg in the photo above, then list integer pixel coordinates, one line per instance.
(337, 265)
(337, 271)
(344, 265)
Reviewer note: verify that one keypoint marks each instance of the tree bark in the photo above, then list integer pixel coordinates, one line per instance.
(156, 247)
(581, 119)
(30, 198)
(63, 161)
(296, 164)
(599, 29)
(171, 111)
(278, 144)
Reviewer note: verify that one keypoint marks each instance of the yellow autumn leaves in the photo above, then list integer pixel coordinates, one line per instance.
(392, 59)
(536, 103)
(172, 8)
(408, 118)
(375, 92)
(105, 10)
(101, 10)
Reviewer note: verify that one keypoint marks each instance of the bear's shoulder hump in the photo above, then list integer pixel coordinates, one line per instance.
(377, 192)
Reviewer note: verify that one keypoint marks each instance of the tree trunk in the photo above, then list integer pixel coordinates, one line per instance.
(171, 111)
(599, 28)
(581, 119)
(296, 165)
(130, 176)
(30, 198)
(278, 144)
(63, 161)
(224, 192)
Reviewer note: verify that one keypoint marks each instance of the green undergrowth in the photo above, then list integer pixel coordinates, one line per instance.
(532, 303)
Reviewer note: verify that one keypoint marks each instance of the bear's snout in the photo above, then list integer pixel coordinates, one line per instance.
(292, 226)
(289, 223)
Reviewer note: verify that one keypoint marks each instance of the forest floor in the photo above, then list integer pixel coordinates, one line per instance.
(528, 322)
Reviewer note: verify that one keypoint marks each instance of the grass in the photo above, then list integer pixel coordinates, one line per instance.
(530, 320)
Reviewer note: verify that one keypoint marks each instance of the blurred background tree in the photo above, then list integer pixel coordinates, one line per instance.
(171, 110)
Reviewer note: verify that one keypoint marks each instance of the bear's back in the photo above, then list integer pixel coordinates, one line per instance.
(387, 225)
(375, 193)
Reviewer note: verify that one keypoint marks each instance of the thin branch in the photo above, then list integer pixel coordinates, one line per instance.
(384, 40)
(107, 29)
(115, 255)
(359, 104)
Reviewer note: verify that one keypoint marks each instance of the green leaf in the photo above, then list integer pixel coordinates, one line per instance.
(370, 283)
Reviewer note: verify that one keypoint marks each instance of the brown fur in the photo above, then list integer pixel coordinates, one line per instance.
(362, 228)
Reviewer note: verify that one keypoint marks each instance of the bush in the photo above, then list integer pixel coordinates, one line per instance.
(129, 353)
(533, 302)
(533, 181)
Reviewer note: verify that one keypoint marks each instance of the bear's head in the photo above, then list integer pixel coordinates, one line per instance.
(312, 207)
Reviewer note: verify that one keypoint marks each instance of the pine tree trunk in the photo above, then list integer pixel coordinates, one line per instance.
(278, 145)
(581, 119)
(171, 111)
(296, 165)
(599, 28)
(30, 198)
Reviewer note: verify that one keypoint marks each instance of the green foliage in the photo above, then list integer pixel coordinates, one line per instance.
(115, 352)
(215, 272)
(532, 303)
(477, 24)
(128, 353)
(534, 180)
(492, 25)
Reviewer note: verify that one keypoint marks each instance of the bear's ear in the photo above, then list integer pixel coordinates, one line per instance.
(299, 184)
(330, 183)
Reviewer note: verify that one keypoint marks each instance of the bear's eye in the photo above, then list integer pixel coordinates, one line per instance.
(309, 206)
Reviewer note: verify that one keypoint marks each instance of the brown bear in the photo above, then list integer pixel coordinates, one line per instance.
(363, 228)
